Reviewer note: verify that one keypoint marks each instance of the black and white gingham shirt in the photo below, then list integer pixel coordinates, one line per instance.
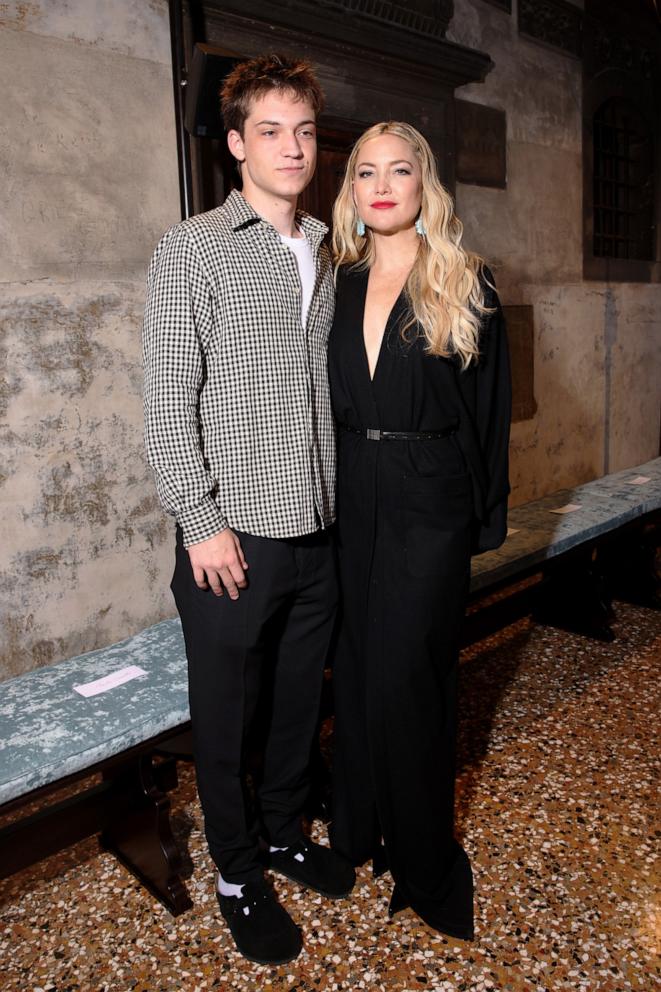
(238, 421)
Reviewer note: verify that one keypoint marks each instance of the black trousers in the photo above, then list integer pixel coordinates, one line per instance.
(261, 656)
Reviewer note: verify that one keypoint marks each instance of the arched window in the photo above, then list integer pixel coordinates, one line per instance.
(623, 182)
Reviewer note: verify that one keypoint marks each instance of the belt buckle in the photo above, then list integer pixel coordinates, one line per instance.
(373, 434)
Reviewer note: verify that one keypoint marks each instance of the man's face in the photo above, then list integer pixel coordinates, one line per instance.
(278, 147)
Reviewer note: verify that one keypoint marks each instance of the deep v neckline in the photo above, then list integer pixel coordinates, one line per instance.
(372, 375)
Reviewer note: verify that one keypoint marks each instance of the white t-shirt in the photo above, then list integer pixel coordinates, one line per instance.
(305, 261)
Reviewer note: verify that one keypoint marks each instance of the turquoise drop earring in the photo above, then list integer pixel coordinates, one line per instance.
(420, 227)
(360, 228)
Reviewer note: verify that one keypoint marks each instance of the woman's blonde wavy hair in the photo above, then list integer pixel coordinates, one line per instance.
(443, 287)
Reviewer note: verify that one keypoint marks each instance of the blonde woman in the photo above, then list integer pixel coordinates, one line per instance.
(420, 386)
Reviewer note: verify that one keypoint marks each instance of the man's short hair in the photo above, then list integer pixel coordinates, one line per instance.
(251, 80)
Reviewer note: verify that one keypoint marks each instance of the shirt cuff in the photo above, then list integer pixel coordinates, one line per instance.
(201, 522)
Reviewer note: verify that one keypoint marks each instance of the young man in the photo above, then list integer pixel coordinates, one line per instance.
(239, 433)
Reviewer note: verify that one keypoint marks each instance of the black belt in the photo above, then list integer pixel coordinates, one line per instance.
(373, 434)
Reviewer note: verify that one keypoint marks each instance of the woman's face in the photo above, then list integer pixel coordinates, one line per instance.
(387, 184)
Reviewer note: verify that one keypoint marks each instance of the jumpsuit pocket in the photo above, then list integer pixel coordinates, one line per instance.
(438, 514)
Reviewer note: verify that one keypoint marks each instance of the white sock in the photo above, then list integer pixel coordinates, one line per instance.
(229, 888)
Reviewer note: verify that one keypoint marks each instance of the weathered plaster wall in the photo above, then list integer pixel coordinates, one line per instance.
(597, 355)
(88, 158)
(87, 155)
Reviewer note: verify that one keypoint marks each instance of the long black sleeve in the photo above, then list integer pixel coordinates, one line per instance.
(486, 391)
(493, 417)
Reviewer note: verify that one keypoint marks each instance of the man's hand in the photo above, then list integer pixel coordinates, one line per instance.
(219, 562)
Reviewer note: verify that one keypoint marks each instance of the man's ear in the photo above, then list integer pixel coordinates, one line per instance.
(235, 145)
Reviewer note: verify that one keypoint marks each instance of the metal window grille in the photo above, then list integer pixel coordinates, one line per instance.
(623, 183)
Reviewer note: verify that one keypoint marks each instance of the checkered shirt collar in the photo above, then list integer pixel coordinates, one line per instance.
(242, 217)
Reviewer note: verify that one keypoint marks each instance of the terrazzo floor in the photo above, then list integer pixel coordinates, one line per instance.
(558, 758)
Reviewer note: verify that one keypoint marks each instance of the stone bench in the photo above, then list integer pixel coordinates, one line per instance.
(579, 555)
(51, 736)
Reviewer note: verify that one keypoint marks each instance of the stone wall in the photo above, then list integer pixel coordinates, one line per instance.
(88, 159)
(597, 355)
(88, 156)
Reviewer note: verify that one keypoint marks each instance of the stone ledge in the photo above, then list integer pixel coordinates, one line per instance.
(605, 505)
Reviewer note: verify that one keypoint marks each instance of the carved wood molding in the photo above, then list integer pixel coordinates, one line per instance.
(552, 22)
(337, 31)
(425, 17)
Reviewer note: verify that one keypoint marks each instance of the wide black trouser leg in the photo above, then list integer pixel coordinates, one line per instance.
(395, 685)
(284, 620)
(354, 830)
(301, 655)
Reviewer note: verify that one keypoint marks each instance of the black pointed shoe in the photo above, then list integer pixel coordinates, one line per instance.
(262, 929)
(319, 868)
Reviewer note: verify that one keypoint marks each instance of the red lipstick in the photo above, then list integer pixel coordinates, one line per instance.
(383, 205)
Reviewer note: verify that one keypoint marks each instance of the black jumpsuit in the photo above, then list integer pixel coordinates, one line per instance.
(410, 513)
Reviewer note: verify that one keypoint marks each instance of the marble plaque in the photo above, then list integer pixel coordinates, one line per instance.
(520, 334)
(481, 149)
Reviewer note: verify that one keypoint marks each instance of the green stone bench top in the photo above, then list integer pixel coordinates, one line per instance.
(49, 731)
(539, 534)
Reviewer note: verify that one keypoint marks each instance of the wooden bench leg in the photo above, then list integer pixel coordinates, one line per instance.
(631, 567)
(572, 597)
(137, 828)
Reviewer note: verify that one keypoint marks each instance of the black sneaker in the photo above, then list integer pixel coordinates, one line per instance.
(317, 867)
(263, 930)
